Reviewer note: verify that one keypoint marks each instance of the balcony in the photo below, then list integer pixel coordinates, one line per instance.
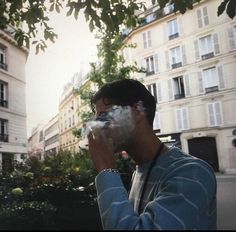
(207, 56)
(176, 65)
(3, 103)
(149, 73)
(173, 36)
(211, 89)
(3, 138)
(179, 95)
(3, 66)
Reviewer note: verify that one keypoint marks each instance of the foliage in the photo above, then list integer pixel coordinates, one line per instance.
(59, 194)
(110, 15)
(112, 63)
(53, 196)
(111, 67)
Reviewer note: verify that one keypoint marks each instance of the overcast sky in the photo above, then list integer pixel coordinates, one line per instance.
(48, 72)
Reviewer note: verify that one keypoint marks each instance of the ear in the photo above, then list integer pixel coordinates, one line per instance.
(138, 111)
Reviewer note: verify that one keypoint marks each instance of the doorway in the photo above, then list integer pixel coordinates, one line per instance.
(205, 149)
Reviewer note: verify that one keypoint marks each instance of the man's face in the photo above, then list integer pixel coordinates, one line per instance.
(119, 123)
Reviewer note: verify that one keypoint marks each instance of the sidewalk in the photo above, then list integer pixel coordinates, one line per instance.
(226, 201)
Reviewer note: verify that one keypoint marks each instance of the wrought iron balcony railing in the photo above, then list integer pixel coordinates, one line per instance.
(176, 65)
(211, 89)
(3, 138)
(207, 56)
(3, 66)
(3, 103)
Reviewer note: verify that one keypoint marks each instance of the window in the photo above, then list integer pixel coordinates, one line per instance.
(41, 136)
(150, 64)
(3, 64)
(209, 46)
(173, 30)
(202, 17)
(178, 87)
(182, 119)
(3, 130)
(232, 37)
(3, 94)
(210, 80)
(153, 90)
(150, 18)
(169, 9)
(176, 57)
(215, 117)
(206, 47)
(147, 42)
(156, 122)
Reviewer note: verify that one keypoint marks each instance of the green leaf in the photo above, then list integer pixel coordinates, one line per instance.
(91, 25)
(76, 14)
(57, 8)
(69, 12)
(221, 7)
(231, 8)
(52, 7)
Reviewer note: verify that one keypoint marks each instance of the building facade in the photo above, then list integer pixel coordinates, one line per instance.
(13, 138)
(36, 142)
(68, 114)
(51, 137)
(191, 67)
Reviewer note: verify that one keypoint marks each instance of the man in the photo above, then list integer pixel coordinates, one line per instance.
(170, 189)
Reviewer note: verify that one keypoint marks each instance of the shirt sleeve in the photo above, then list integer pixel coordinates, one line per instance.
(178, 204)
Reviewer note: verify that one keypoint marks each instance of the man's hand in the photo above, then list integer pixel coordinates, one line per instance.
(101, 149)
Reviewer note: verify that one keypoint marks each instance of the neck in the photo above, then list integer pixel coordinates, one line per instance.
(144, 149)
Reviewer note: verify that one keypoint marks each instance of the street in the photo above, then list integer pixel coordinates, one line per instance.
(226, 203)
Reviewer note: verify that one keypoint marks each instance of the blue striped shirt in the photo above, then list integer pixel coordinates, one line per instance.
(180, 195)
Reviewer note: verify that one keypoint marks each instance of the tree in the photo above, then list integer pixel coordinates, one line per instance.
(111, 67)
(33, 15)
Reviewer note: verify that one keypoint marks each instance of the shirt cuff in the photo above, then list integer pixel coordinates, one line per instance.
(105, 180)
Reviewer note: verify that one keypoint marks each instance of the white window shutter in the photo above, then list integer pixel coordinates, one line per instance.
(180, 26)
(166, 31)
(199, 18)
(167, 60)
(232, 39)
(218, 114)
(144, 40)
(179, 119)
(143, 64)
(149, 39)
(216, 43)
(185, 118)
(221, 77)
(156, 68)
(156, 124)
(211, 117)
(187, 86)
(205, 16)
(196, 48)
(159, 92)
(170, 90)
(200, 82)
(184, 60)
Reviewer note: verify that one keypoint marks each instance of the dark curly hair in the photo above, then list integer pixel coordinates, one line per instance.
(127, 92)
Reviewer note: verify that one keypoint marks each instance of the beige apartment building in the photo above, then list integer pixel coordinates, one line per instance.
(191, 71)
(68, 114)
(13, 137)
(36, 142)
(51, 137)
(71, 107)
